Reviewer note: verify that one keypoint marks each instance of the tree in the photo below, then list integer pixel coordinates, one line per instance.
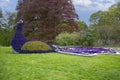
(82, 24)
(8, 21)
(114, 10)
(44, 19)
(106, 34)
(6, 28)
(88, 37)
(100, 18)
(0, 13)
(110, 17)
(107, 23)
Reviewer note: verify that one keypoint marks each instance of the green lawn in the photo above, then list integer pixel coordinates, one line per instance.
(55, 66)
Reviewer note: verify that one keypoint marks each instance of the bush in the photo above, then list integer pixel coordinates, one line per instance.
(5, 37)
(88, 37)
(36, 45)
(67, 39)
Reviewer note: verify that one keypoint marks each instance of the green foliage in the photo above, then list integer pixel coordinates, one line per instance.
(36, 45)
(65, 39)
(88, 37)
(107, 23)
(11, 19)
(54, 66)
(6, 28)
(114, 12)
(110, 17)
(1, 16)
(5, 37)
(82, 24)
(1, 13)
(107, 35)
(99, 18)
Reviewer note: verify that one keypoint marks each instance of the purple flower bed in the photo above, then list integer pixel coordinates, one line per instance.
(86, 50)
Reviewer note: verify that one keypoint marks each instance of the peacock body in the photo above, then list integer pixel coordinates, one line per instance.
(19, 41)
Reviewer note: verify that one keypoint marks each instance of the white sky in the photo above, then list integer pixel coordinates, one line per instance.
(93, 4)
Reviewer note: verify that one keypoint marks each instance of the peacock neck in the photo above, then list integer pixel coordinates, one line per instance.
(18, 38)
(18, 33)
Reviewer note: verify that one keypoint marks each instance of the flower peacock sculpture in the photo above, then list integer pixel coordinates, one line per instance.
(19, 43)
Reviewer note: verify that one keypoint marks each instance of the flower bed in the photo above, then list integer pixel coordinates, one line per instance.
(86, 51)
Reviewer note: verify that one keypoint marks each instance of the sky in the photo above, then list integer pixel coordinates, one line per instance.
(84, 8)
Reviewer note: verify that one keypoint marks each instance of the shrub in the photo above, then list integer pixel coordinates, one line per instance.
(5, 37)
(36, 45)
(88, 37)
(66, 39)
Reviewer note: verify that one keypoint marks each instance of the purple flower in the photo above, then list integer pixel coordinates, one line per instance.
(86, 50)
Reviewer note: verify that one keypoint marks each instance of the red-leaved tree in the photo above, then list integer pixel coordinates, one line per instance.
(45, 19)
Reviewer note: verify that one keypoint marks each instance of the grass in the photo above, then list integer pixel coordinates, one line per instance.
(54, 66)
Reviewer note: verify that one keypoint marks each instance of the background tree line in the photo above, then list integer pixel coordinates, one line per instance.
(59, 26)
(104, 30)
(7, 23)
(107, 24)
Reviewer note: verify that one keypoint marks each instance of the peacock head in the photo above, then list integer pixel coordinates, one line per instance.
(20, 24)
(20, 21)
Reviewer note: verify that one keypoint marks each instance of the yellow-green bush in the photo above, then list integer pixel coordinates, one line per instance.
(67, 39)
(36, 45)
